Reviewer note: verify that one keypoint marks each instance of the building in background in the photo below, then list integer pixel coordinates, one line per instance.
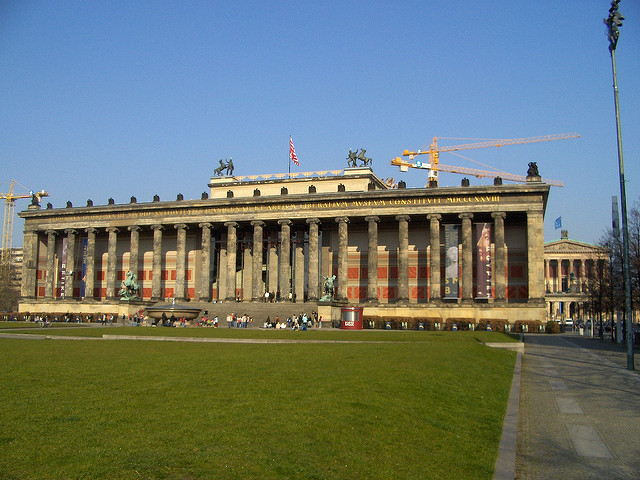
(569, 267)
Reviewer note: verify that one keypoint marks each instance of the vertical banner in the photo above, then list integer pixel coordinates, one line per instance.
(483, 236)
(63, 267)
(451, 277)
(85, 242)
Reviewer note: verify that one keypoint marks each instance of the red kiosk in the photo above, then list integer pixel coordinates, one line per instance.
(351, 318)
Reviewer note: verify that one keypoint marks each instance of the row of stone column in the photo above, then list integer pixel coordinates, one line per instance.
(227, 280)
(576, 265)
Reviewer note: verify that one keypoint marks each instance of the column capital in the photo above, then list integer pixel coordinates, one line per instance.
(465, 215)
(51, 232)
(501, 215)
(314, 221)
(179, 226)
(342, 219)
(157, 227)
(134, 228)
(70, 231)
(90, 230)
(284, 221)
(372, 218)
(205, 225)
(112, 229)
(401, 218)
(231, 224)
(434, 216)
(257, 223)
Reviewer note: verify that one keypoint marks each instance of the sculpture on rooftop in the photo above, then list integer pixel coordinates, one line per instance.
(353, 157)
(533, 170)
(228, 166)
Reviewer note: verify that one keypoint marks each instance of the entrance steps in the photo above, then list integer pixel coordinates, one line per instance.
(259, 311)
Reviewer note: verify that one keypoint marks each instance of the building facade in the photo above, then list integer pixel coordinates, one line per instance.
(448, 252)
(569, 266)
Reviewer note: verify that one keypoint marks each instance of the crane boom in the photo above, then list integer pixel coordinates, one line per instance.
(468, 171)
(434, 157)
(490, 143)
(7, 224)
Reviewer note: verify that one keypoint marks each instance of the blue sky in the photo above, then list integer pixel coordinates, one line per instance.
(120, 98)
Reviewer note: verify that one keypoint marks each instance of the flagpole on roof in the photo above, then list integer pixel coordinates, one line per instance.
(290, 140)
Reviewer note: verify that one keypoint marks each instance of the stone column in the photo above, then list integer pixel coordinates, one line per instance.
(434, 232)
(343, 240)
(181, 261)
(546, 274)
(298, 280)
(90, 273)
(71, 262)
(134, 258)
(403, 257)
(313, 266)
(272, 264)
(205, 263)
(257, 293)
(535, 255)
(156, 274)
(372, 259)
(29, 265)
(284, 283)
(467, 257)
(247, 269)
(112, 264)
(49, 291)
(500, 285)
(232, 247)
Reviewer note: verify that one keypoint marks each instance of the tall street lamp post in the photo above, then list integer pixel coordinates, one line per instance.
(613, 22)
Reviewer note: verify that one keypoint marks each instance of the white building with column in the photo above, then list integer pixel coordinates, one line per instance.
(569, 266)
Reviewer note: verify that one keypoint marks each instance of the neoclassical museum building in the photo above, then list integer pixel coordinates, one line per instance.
(471, 252)
(569, 266)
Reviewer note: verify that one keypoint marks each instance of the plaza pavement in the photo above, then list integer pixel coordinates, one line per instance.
(579, 410)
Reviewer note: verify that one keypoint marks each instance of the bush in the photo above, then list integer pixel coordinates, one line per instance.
(497, 324)
(552, 327)
(533, 326)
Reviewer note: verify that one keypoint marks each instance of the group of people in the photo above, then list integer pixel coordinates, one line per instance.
(270, 297)
(171, 321)
(296, 322)
(234, 321)
(207, 322)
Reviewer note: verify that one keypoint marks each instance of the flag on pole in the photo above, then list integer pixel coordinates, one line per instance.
(292, 153)
(558, 223)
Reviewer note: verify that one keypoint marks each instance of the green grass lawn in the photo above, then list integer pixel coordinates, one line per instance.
(405, 405)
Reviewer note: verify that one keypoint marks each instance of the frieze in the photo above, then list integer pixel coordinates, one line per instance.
(256, 208)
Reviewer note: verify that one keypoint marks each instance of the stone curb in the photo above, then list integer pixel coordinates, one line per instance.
(505, 468)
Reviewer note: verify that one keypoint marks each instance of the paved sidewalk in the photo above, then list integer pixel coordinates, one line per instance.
(579, 410)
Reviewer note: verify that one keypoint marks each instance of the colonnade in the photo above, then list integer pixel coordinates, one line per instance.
(306, 268)
(582, 269)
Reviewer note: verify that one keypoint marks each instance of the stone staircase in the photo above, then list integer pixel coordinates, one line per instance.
(258, 310)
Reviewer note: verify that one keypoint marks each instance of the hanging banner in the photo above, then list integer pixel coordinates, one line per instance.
(63, 267)
(483, 246)
(85, 242)
(451, 269)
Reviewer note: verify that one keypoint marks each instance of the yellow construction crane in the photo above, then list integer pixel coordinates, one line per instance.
(7, 224)
(434, 155)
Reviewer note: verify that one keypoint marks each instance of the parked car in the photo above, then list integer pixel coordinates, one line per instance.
(568, 321)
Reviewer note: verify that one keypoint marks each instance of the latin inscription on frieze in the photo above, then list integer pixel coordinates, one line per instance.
(289, 207)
